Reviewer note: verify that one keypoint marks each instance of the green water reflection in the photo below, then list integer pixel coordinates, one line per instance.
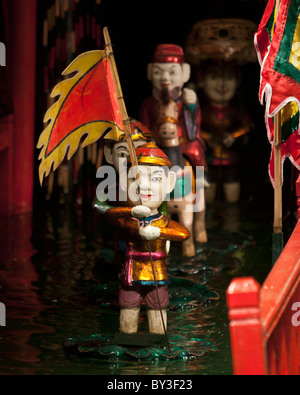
(51, 261)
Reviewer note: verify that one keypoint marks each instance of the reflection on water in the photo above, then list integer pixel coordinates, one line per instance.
(49, 263)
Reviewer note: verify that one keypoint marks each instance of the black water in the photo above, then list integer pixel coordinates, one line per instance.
(52, 259)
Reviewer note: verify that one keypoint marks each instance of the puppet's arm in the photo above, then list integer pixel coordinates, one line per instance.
(189, 97)
(119, 215)
(174, 232)
(126, 212)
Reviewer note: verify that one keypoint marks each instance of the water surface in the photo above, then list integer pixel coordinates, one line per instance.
(53, 259)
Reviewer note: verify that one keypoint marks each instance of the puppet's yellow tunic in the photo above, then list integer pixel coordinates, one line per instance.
(137, 267)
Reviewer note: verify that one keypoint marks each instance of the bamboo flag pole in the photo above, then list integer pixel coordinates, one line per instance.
(277, 175)
(125, 118)
(277, 238)
(132, 153)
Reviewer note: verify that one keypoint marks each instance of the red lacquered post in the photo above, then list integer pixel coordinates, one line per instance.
(248, 354)
(298, 195)
(22, 55)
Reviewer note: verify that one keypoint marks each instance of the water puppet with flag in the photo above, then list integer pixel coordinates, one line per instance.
(91, 106)
(277, 43)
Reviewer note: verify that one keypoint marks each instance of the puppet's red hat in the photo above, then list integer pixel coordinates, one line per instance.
(138, 131)
(150, 154)
(168, 53)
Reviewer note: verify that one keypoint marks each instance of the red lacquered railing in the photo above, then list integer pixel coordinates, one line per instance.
(265, 321)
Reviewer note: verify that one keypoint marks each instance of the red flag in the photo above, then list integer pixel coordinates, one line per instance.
(86, 110)
(264, 34)
(290, 149)
(277, 46)
(280, 74)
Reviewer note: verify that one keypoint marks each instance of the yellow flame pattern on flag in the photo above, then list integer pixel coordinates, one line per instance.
(93, 130)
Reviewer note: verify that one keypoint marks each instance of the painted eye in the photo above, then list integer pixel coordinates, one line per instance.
(122, 155)
(133, 176)
(157, 179)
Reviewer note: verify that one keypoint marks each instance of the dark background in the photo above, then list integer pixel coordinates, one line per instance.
(136, 28)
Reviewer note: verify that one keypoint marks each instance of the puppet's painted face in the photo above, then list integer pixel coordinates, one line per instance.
(220, 85)
(167, 75)
(155, 182)
(117, 155)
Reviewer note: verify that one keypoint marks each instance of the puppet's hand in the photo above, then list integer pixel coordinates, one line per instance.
(149, 232)
(140, 211)
(189, 97)
(228, 140)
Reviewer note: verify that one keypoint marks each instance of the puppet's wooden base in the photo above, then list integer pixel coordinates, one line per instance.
(105, 346)
(139, 339)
